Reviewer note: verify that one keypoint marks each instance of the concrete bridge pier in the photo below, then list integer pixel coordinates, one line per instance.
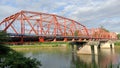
(106, 45)
(92, 47)
(84, 47)
(65, 40)
(88, 48)
(74, 47)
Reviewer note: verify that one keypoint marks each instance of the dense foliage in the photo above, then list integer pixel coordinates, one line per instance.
(118, 35)
(3, 36)
(12, 59)
(117, 43)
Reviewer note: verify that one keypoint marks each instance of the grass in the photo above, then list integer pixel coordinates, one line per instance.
(45, 44)
(53, 43)
(117, 43)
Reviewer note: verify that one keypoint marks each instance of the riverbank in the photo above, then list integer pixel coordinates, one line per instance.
(117, 43)
(45, 44)
(50, 45)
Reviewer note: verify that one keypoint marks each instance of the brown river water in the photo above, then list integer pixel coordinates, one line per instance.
(61, 57)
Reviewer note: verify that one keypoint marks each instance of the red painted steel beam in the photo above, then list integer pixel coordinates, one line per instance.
(30, 25)
(16, 15)
(51, 24)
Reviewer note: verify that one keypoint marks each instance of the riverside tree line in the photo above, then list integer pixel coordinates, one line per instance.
(12, 59)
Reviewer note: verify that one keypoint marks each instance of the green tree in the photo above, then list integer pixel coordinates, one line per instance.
(12, 59)
(3, 36)
(118, 35)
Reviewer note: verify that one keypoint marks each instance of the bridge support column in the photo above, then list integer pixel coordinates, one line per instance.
(54, 40)
(84, 40)
(65, 39)
(88, 49)
(106, 45)
(73, 39)
(74, 47)
(80, 40)
(41, 39)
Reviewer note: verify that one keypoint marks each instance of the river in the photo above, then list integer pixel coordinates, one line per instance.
(61, 57)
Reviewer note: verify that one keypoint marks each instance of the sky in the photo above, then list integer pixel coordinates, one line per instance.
(91, 13)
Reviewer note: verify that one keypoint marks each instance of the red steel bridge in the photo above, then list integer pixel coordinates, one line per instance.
(25, 26)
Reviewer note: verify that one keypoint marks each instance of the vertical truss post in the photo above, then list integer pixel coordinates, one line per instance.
(22, 24)
(55, 26)
(27, 19)
(38, 28)
(65, 27)
(22, 27)
(40, 24)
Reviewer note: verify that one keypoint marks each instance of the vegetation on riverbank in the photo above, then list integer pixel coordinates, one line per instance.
(12, 59)
(52, 43)
(117, 43)
(44, 44)
(9, 58)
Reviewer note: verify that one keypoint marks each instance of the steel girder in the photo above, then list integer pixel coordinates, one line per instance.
(44, 24)
(37, 23)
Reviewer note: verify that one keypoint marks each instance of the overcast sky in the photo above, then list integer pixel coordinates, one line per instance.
(91, 13)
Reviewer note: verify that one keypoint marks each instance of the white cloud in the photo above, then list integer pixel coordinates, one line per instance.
(6, 11)
(91, 13)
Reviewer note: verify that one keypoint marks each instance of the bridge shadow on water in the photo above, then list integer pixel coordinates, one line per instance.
(106, 58)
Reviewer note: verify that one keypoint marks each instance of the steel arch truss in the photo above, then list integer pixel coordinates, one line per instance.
(39, 24)
(100, 33)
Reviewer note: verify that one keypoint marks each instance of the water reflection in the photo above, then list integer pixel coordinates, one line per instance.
(65, 58)
(106, 58)
(84, 61)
